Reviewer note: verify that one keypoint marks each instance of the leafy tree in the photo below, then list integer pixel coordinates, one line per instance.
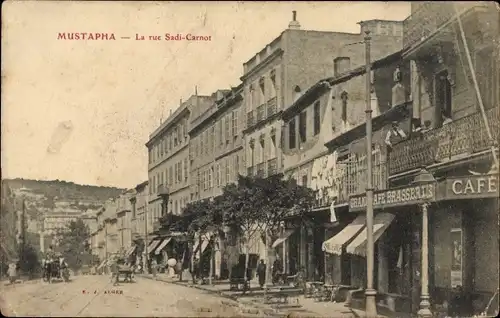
(241, 203)
(73, 243)
(28, 260)
(262, 204)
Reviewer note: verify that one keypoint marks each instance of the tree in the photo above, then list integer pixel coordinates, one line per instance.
(241, 203)
(263, 203)
(28, 261)
(73, 243)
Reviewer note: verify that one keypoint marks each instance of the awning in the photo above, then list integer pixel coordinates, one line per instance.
(153, 245)
(380, 224)
(283, 237)
(130, 250)
(162, 245)
(102, 264)
(334, 244)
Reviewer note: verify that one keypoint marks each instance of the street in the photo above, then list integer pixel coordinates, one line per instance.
(95, 296)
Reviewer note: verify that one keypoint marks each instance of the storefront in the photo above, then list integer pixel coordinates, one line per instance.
(465, 250)
(397, 236)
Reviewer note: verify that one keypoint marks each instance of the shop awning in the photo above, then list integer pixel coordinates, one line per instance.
(162, 245)
(335, 243)
(380, 224)
(130, 251)
(102, 264)
(153, 245)
(283, 237)
(204, 243)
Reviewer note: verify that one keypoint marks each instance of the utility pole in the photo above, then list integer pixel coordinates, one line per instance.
(371, 308)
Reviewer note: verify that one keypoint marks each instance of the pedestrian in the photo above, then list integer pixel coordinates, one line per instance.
(196, 268)
(12, 271)
(154, 267)
(261, 272)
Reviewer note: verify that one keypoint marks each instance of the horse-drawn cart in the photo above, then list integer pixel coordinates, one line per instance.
(54, 270)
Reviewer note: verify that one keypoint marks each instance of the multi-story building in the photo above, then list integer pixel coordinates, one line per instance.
(169, 159)
(435, 174)
(211, 138)
(330, 108)
(111, 228)
(139, 204)
(124, 215)
(281, 72)
(216, 149)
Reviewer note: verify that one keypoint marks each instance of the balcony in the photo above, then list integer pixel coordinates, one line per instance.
(464, 136)
(162, 190)
(272, 167)
(250, 119)
(261, 170)
(272, 106)
(261, 113)
(429, 17)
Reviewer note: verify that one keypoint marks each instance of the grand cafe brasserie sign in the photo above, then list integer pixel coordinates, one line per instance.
(393, 197)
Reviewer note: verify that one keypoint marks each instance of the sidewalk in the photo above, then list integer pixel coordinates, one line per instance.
(254, 298)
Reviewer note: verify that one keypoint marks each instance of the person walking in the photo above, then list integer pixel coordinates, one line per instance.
(154, 267)
(261, 272)
(12, 272)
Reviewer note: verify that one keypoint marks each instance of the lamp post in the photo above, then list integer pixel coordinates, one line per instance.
(371, 308)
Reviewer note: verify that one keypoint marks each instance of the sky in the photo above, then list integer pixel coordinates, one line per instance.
(82, 111)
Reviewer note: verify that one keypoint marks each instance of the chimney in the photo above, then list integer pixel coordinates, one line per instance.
(294, 24)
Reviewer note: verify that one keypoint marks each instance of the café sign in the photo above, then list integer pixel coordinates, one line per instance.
(414, 194)
(477, 186)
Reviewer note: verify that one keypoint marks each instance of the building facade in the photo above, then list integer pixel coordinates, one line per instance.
(124, 216)
(436, 194)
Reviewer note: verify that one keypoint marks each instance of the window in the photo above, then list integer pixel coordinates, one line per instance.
(202, 146)
(226, 124)
(228, 171)
(273, 83)
(166, 176)
(161, 147)
(341, 65)
(303, 126)
(443, 97)
(217, 175)
(185, 169)
(236, 166)
(317, 118)
(171, 175)
(212, 138)
(291, 134)
(220, 132)
(154, 184)
(235, 123)
(176, 135)
(150, 157)
(207, 145)
(210, 177)
(262, 85)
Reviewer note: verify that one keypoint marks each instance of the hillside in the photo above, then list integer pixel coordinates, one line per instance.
(50, 197)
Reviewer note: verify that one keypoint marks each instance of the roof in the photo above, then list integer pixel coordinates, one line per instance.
(323, 85)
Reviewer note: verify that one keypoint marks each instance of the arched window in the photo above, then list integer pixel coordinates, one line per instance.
(296, 93)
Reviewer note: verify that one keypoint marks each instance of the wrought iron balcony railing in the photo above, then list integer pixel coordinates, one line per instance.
(261, 113)
(261, 170)
(272, 166)
(272, 106)
(463, 136)
(250, 119)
